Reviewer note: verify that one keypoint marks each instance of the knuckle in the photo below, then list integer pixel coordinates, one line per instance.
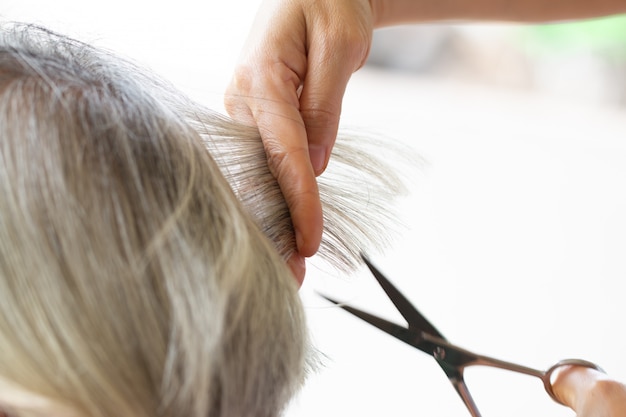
(280, 160)
(275, 160)
(236, 101)
(242, 79)
(289, 167)
(350, 40)
(232, 105)
(320, 116)
(356, 49)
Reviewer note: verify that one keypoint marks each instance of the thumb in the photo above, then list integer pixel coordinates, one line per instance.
(329, 68)
(320, 108)
(572, 383)
(589, 392)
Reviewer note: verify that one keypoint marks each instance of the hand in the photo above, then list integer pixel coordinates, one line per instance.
(290, 83)
(590, 393)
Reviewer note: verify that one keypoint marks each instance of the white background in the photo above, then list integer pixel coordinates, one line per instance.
(515, 229)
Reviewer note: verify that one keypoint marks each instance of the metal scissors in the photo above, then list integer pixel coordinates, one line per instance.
(421, 334)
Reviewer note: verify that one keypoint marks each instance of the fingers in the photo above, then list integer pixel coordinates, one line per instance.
(590, 393)
(264, 92)
(291, 83)
(269, 99)
(320, 106)
(289, 160)
(297, 265)
(572, 382)
(338, 42)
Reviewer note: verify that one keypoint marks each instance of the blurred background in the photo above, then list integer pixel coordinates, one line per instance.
(514, 229)
(580, 60)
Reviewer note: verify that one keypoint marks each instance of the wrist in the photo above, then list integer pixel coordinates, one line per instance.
(392, 12)
(396, 12)
(378, 9)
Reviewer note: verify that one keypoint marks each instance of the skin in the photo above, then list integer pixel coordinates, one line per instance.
(296, 64)
(293, 94)
(290, 83)
(590, 393)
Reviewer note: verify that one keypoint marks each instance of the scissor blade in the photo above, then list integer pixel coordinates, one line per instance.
(414, 318)
(461, 389)
(402, 333)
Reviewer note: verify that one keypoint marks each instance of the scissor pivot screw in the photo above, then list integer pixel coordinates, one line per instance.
(439, 353)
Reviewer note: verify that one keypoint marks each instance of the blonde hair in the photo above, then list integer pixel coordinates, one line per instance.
(143, 238)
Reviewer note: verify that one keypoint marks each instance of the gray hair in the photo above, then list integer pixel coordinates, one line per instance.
(143, 239)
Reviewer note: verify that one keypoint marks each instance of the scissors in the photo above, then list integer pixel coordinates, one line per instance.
(421, 334)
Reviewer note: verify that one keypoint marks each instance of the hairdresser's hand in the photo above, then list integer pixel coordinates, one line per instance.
(590, 393)
(290, 82)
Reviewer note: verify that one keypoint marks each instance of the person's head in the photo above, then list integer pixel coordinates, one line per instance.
(142, 245)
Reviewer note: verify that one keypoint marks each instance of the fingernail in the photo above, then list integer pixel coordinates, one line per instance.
(317, 154)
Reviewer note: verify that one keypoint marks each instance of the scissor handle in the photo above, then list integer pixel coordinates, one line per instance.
(547, 378)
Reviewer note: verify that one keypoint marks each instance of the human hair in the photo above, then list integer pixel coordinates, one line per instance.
(143, 240)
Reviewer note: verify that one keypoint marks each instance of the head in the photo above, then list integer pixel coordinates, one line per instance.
(142, 245)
